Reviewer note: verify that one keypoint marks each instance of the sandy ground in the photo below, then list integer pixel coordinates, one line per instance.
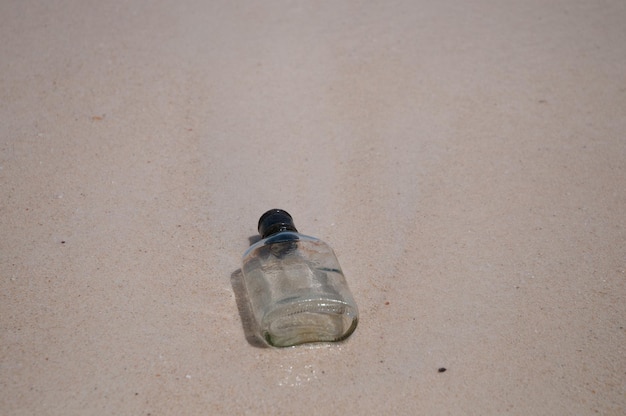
(466, 160)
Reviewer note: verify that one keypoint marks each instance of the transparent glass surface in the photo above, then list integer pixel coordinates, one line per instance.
(297, 290)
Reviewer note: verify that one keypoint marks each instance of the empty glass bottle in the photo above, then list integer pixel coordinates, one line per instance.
(295, 285)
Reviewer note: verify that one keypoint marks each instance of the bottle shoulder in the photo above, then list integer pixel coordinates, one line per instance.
(283, 237)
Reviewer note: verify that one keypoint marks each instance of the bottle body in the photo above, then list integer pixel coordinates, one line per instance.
(297, 291)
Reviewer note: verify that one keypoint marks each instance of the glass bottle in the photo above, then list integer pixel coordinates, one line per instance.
(295, 285)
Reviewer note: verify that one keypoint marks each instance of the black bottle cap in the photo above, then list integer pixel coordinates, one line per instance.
(275, 221)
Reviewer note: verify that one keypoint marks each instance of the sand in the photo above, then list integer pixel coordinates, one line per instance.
(465, 159)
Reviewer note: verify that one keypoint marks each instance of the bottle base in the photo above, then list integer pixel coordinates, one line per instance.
(309, 321)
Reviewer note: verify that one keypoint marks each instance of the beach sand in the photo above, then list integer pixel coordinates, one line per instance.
(465, 159)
